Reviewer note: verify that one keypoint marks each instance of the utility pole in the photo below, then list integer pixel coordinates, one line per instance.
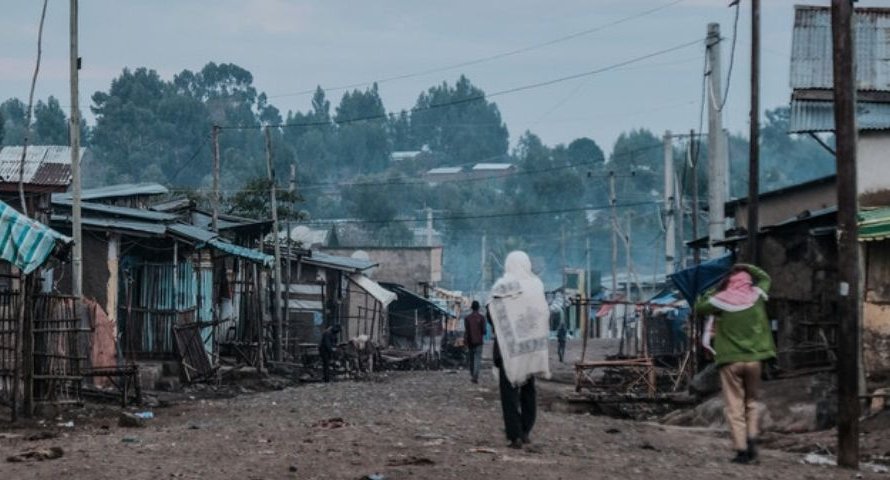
(627, 258)
(276, 245)
(849, 304)
(214, 134)
(716, 145)
(291, 188)
(612, 203)
(754, 146)
(694, 148)
(562, 243)
(76, 233)
(429, 227)
(670, 245)
(482, 265)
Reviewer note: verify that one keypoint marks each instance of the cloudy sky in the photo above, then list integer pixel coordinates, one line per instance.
(291, 46)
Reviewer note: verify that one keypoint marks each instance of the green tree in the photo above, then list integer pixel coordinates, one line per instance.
(459, 122)
(50, 123)
(362, 138)
(14, 121)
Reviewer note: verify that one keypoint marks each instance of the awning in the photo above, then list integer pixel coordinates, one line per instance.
(874, 224)
(243, 252)
(374, 289)
(24, 242)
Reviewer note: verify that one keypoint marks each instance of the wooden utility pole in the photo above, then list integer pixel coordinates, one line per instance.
(849, 304)
(77, 247)
(754, 148)
(627, 258)
(276, 245)
(670, 245)
(483, 265)
(694, 148)
(214, 134)
(291, 188)
(613, 204)
(716, 145)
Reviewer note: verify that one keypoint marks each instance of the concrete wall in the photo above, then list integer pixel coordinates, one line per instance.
(876, 311)
(407, 266)
(780, 208)
(874, 168)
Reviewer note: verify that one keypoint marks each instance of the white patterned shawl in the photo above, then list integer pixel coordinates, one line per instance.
(521, 319)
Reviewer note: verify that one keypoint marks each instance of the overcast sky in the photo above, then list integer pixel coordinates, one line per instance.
(293, 45)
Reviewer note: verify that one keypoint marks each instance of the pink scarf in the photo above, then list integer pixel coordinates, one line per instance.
(739, 294)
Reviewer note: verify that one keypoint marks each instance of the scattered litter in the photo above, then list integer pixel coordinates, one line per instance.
(612, 431)
(410, 460)
(129, 440)
(44, 435)
(373, 476)
(648, 446)
(145, 415)
(128, 420)
(484, 450)
(330, 423)
(68, 424)
(818, 459)
(40, 455)
(292, 468)
(9, 436)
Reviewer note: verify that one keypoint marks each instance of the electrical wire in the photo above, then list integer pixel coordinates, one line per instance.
(476, 98)
(735, 31)
(489, 58)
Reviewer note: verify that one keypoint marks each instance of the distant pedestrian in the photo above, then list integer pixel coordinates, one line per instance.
(326, 349)
(519, 314)
(474, 339)
(561, 333)
(742, 340)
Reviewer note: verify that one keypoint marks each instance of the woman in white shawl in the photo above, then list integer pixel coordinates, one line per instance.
(520, 316)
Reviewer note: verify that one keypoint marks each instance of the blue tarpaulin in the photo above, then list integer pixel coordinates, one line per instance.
(694, 281)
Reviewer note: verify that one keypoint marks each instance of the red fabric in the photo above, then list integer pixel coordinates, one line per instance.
(739, 292)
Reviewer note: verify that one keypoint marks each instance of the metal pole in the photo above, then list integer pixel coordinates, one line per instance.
(849, 304)
(214, 133)
(276, 246)
(716, 145)
(696, 252)
(670, 245)
(754, 148)
(77, 248)
(614, 233)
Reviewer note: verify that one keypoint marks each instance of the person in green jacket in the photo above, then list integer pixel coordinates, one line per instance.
(741, 342)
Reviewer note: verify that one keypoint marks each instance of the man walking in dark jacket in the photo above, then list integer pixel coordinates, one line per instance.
(474, 338)
(326, 349)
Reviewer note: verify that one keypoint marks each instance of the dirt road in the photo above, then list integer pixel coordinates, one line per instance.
(427, 425)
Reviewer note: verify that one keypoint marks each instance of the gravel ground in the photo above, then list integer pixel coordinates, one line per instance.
(401, 425)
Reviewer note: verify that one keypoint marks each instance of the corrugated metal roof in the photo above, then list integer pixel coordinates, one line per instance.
(444, 170)
(48, 165)
(811, 48)
(113, 211)
(813, 116)
(384, 296)
(115, 224)
(492, 166)
(190, 232)
(337, 262)
(115, 191)
(243, 252)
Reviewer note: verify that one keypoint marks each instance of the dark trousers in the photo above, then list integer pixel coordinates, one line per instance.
(474, 358)
(561, 350)
(326, 367)
(519, 406)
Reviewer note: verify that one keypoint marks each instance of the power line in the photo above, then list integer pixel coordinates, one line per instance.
(482, 96)
(489, 58)
(475, 217)
(735, 31)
